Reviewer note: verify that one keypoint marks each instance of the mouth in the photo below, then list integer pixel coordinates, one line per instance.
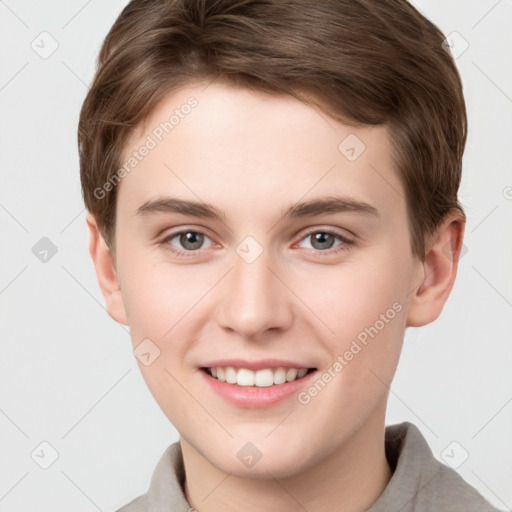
(265, 377)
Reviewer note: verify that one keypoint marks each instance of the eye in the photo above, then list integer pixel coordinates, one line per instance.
(324, 239)
(189, 240)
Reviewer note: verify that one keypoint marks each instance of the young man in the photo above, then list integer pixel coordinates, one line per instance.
(272, 196)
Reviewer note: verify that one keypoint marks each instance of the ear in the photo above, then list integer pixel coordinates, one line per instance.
(106, 272)
(436, 273)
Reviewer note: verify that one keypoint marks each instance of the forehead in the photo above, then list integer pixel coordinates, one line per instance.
(251, 150)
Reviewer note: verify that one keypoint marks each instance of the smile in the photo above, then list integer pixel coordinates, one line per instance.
(261, 378)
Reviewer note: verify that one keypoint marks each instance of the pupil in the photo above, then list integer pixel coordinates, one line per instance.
(320, 240)
(191, 240)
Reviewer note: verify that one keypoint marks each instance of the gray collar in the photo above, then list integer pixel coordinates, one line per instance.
(419, 482)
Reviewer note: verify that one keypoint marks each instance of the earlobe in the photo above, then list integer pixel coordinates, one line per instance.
(106, 272)
(437, 272)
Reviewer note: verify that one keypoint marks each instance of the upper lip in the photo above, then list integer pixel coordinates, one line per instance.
(255, 365)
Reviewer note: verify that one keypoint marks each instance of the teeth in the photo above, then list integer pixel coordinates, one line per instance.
(260, 378)
(291, 374)
(230, 375)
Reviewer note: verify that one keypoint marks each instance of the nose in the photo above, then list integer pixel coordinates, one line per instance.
(254, 298)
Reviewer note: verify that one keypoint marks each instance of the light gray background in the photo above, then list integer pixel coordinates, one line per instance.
(68, 375)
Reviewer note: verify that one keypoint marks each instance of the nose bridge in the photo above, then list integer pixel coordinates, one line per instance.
(254, 300)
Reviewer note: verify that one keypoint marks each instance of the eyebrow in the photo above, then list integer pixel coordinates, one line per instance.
(327, 205)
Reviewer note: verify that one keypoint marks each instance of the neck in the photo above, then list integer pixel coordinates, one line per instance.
(350, 479)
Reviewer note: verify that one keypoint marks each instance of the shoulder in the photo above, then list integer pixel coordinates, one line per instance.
(139, 504)
(451, 489)
(166, 487)
(420, 482)
(447, 490)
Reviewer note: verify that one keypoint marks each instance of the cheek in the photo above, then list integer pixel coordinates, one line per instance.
(160, 307)
(347, 299)
(155, 296)
(363, 304)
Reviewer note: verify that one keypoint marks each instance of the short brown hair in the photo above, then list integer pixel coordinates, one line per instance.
(363, 62)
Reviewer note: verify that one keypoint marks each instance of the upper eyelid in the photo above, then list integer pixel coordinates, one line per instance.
(344, 239)
(174, 234)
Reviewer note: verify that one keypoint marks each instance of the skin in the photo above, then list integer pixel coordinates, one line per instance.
(252, 155)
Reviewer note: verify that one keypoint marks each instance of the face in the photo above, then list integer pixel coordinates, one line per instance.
(263, 272)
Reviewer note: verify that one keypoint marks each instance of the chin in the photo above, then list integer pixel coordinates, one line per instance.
(260, 460)
(263, 469)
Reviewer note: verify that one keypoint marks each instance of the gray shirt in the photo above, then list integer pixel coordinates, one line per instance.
(420, 483)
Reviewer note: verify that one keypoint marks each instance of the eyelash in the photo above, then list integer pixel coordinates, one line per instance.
(345, 246)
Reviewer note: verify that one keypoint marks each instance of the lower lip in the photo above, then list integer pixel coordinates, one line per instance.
(254, 397)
